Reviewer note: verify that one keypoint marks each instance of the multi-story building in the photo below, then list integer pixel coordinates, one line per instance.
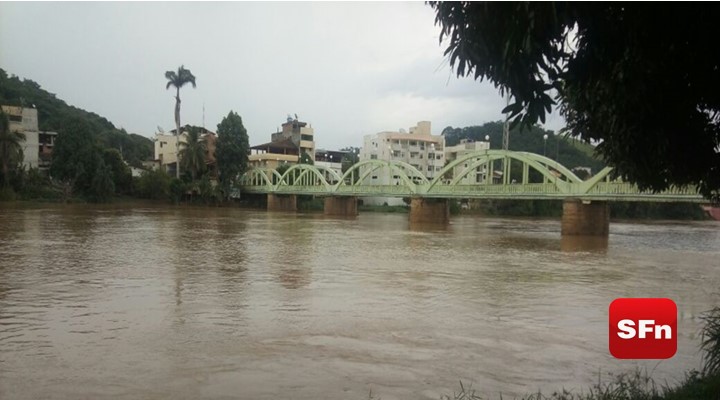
(285, 146)
(166, 150)
(465, 147)
(419, 148)
(37, 146)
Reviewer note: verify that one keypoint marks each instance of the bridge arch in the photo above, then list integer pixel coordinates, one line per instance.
(256, 175)
(398, 167)
(305, 170)
(537, 162)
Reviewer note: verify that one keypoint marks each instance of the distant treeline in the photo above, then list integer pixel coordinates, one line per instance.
(568, 152)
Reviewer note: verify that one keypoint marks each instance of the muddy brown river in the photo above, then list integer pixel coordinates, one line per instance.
(153, 302)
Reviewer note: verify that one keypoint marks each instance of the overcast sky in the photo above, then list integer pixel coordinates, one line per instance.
(349, 69)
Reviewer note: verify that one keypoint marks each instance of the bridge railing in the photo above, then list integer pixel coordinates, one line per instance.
(479, 189)
(630, 188)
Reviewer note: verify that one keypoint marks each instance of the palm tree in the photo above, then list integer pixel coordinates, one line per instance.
(178, 79)
(192, 154)
(11, 153)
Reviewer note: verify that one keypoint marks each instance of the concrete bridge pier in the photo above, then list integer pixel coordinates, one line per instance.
(281, 202)
(429, 211)
(584, 218)
(342, 206)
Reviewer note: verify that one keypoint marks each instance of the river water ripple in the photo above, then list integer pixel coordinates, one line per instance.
(186, 303)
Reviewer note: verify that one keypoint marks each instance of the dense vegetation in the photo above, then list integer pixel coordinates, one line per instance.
(569, 152)
(54, 112)
(90, 154)
(646, 90)
(232, 151)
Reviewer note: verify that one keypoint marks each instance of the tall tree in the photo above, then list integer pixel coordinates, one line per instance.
(192, 154)
(102, 186)
(75, 157)
(350, 159)
(231, 150)
(178, 79)
(11, 154)
(639, 78)
(305, 159)
(122, 176)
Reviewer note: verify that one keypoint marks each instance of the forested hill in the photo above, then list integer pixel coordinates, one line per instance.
(569, 152)
(52, 112)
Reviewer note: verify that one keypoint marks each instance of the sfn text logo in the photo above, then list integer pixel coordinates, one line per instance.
(643, 328)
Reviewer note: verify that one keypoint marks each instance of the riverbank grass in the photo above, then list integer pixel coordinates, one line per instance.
(627, 386)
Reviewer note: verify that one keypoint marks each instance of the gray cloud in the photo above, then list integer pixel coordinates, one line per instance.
(348, 68)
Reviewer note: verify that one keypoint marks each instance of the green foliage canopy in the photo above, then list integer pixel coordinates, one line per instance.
(11, 153)
(231, 150)
(154, 184)
(640, 79)
(74, 156)
(120, 172)
(192, 153)
(306, 159)
(567, 151)
(350, 159)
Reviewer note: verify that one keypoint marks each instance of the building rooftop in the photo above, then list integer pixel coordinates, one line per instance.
(273, 147)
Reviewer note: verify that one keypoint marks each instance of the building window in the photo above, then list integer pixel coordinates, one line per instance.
(373, 156)
(413, 143)
(15, 118)
(429, 168)
(374, 176)
(306, 137)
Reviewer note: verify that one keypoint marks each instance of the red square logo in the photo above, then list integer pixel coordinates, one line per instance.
(643, 328)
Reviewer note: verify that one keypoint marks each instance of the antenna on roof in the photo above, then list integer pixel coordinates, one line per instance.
(296, 118)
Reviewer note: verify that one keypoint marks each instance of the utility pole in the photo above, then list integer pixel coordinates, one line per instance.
(506, 128)
(506, 143)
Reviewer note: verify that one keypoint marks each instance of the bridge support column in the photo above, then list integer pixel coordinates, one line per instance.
(429, 211)
(281, 202)
(585, 219)
(341, 206)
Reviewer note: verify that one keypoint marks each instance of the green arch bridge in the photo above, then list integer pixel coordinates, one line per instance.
(541, 178)
(585, 209)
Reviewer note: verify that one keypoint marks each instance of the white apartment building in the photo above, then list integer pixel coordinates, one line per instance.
(465, 147)
(419, 148)
(37, 147)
